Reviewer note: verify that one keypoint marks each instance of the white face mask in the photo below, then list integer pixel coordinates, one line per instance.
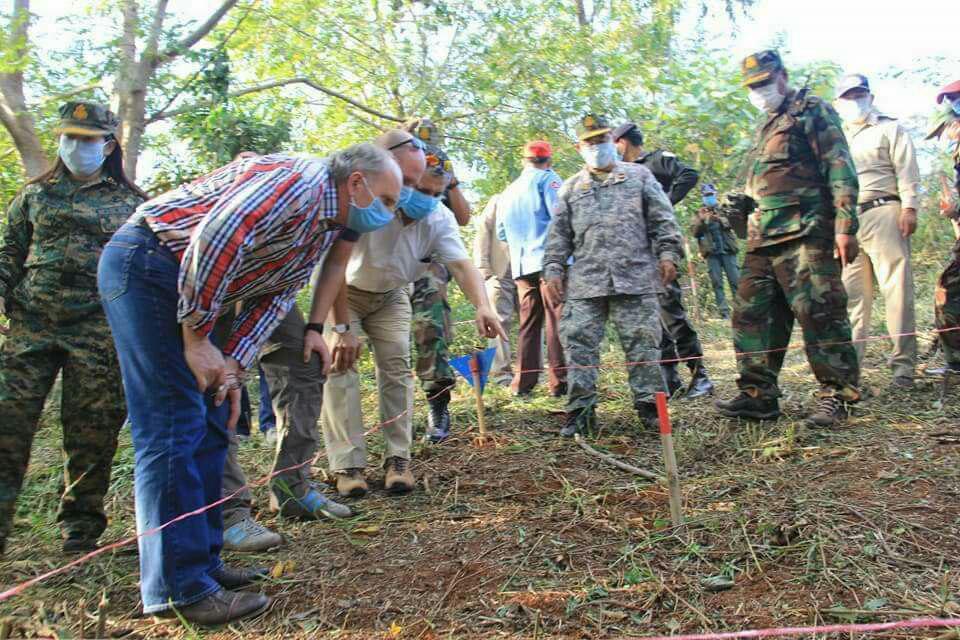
(83, 158)
(599, 156)
(767, 98)
(853, 111)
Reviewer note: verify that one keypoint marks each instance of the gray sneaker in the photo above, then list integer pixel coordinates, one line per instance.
(311, 505)
(270, 436)
(248, 535)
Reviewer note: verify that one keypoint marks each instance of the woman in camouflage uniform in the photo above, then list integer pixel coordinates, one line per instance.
(55, 230)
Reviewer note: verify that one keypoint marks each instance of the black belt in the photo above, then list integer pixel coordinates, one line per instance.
(866, 206)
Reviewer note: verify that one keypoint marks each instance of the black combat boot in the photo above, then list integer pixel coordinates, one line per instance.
(649, 417)
(746, 406)
(671, 377)
(438, 419)
(578, 421)
(700, 383)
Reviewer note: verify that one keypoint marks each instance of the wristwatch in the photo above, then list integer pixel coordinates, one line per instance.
(341, 328)
(313, 326)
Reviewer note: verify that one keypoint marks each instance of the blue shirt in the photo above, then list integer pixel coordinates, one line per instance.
(524, 211)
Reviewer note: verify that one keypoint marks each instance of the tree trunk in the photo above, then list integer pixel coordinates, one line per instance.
(14, 114)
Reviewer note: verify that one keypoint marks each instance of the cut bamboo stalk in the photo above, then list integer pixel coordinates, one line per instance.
(670, 460)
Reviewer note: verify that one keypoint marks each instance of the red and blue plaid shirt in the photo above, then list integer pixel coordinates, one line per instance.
(254, 231)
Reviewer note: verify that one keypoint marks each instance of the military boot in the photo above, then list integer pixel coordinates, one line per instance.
(700, 384)
(829, 412)
(671, 378)
(438, 419)
(746, 405)
(649, 417)
(578, 421)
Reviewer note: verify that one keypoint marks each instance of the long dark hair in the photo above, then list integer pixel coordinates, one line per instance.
(112, 166)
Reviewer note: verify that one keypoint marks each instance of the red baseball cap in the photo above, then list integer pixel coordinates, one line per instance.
(537, 149)
(953, 87)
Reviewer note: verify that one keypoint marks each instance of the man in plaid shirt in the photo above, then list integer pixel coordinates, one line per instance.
(250, 233)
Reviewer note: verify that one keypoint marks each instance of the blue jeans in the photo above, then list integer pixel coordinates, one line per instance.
(267, 419)
(179, 437)
(718, 265)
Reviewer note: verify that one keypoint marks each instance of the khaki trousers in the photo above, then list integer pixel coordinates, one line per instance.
(384, 318)
(884, 253)
(296, 390)
(502, 293)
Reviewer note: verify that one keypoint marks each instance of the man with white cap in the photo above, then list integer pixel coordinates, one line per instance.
(889, 185)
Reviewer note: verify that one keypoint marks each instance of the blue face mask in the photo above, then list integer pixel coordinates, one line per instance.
(710, 201)
(368, 218)
(419, 205)
(83, 158)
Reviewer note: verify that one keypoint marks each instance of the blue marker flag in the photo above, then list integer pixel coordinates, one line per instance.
(462, 366)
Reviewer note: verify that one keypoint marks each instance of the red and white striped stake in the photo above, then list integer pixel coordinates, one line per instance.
(670, 460)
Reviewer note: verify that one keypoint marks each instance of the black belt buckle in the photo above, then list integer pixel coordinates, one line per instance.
(878, 202)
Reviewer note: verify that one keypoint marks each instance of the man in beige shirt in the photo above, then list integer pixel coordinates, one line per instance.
(889, 183)
(492, 257)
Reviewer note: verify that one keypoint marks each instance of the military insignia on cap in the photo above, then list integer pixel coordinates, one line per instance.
(589, 122)
(750, 62)
(424, 133)
(448, 166)
(555, 184)
(80, 113)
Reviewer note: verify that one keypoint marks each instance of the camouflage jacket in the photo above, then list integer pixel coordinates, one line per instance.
(617, 226)
(714, 237)
(54, 234)
(802, 175)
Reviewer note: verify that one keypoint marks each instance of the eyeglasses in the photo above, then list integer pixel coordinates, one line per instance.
(416, 143)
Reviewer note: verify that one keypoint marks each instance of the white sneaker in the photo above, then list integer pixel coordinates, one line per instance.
(270, 436)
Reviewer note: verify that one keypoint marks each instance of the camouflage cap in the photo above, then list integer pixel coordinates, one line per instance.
(758, 67)
(424, 129)
(438, 162)
(591, 125)
(87, 119)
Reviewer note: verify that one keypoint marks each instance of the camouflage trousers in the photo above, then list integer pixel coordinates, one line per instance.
(798, 280)
(680, 339)
(432, 329)
(582, 327)
(947, 309)
(92, 412)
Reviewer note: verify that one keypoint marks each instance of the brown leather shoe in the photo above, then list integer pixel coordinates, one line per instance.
(351, 483)
(221, 607)
(399, 478)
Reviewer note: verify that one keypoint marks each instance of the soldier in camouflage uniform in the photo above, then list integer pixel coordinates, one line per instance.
(432, 328)
(616, 221)
(56, 228)
(804, 183)
(947, 301)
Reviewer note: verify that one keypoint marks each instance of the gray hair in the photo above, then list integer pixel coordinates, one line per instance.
(365, 157)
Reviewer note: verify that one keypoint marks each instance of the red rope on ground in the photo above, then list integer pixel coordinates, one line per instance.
(918, 623)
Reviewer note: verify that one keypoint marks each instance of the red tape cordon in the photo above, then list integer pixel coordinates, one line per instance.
(20, 588)
(918, 623)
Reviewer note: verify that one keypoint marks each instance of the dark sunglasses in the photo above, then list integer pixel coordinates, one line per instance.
(416, 143)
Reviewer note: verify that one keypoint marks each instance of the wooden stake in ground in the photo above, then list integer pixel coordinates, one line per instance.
(693, 280)
(670, 460)
(478, 395)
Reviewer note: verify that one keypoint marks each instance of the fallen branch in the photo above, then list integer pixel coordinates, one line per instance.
(611, 460)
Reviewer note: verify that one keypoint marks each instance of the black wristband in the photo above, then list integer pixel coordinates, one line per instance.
(313, 326)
